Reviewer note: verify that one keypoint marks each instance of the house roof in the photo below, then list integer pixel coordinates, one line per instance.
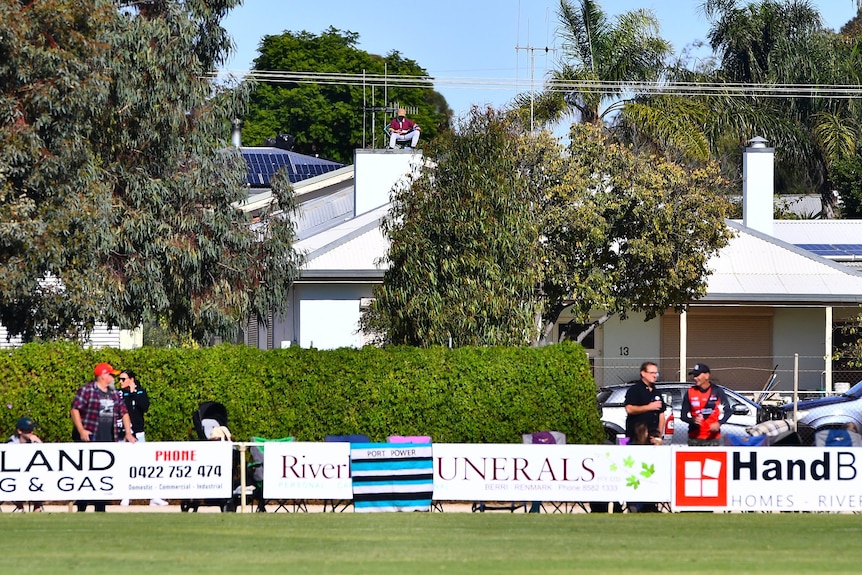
(350, 250)
(755, 267)
(836, 240)
(818, 231)
(263, 162)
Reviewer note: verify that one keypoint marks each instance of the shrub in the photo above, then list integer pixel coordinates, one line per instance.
(462, 395)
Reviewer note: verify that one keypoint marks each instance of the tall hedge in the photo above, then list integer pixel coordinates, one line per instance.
(460, 395)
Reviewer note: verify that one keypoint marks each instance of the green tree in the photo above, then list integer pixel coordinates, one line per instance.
(116, 188)
(464, 246)
(325, 115)
(505, 230)
(601, 58)
(783, 43)
(847, 177)
(627, 232)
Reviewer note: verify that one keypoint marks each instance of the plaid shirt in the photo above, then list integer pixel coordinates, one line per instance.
(87, 403)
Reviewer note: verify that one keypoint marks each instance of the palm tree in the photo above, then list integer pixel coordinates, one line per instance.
(773, 42)
(610, 53)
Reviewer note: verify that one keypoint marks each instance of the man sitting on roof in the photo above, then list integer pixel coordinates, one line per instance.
(402, 128)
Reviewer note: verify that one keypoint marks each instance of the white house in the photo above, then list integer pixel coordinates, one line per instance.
(771, 301)
(338, 227)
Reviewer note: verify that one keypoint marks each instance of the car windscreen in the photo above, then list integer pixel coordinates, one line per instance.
(603, 395)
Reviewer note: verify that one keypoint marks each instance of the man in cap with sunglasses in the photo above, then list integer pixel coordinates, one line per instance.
(704, 407)
(24, 434)
(95, 411)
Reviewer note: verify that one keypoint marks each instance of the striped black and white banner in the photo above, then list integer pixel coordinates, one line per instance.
(392, 476)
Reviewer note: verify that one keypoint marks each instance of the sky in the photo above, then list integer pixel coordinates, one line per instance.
(479, 51)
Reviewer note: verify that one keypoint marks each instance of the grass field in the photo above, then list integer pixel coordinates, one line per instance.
(419, 543)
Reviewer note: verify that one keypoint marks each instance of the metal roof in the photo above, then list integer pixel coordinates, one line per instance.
(755, 267)
(818, 231)
(351, 249)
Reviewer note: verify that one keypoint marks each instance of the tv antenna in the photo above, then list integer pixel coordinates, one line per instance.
(532, 50)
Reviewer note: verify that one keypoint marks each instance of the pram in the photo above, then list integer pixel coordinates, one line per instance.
(210, 421)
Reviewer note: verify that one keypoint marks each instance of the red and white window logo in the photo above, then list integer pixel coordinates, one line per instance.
(701, 478)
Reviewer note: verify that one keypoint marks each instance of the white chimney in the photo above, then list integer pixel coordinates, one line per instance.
(236, 133)
(758, 189)
(377, 172)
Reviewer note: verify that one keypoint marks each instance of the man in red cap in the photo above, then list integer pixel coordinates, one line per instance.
(96, 409)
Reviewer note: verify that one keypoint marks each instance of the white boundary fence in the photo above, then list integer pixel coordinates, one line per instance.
(721, 478)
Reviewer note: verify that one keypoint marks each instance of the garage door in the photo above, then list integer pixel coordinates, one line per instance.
(737, 345)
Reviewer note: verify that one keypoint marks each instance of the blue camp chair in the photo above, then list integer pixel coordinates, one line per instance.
(837, 437)
(746, 440)
(340, 505)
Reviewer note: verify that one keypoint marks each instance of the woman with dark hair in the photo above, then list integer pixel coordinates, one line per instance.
(137, 403)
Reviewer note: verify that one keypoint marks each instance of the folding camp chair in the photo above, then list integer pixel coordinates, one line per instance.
(401, 142)
(774, 431)
(837, 437)
(334, 504)
(255, 468)
(210, 422)
(551, 438)
(746, 440)
(540, 437)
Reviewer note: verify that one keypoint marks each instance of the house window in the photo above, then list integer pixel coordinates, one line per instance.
(572, 330)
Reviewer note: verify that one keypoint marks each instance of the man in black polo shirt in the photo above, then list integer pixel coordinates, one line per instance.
(644, 404)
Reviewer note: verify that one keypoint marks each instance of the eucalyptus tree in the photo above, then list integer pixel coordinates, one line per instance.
(464, 244)
(117, 190)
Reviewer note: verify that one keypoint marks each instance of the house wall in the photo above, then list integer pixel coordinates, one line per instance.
(324, 316)
(626, 344)
(99, 338)
(377, 172)
(623, 345)
(802, 331)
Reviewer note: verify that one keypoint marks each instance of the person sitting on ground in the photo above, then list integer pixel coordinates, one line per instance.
(403, 128)
(24, 434)
(640, 434)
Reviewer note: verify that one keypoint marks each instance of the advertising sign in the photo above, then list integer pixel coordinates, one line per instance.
(298, 470)
(519, 472)
(768, 479)
(99, 471)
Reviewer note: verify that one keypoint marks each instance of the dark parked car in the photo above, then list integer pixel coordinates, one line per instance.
(824, 413)
(612, 398)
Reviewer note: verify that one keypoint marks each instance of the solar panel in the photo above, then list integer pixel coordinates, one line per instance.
(263, 163)
(833, 250)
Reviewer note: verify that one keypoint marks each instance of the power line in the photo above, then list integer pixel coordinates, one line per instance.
(841, 91)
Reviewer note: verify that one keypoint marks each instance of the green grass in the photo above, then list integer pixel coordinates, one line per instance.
(418, 543)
